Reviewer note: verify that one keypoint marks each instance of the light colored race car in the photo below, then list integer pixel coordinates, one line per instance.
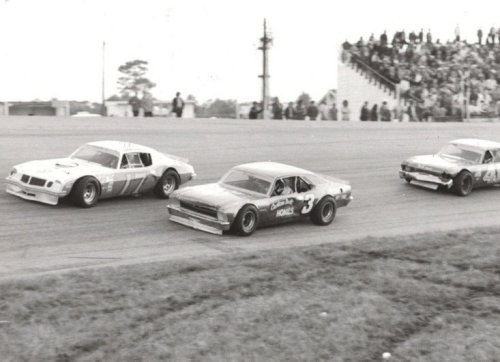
(257, 194)
(99, 170)
(461, 165)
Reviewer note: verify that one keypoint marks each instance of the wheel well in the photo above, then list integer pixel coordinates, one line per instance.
(170, 169)
(241, 208)
(78, 180)
(331, 197)
(468, 171)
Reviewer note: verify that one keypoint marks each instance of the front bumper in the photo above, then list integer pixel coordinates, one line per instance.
(425, 180)
(188, 176)
(197, 221)
(343, 200)
(33, 193)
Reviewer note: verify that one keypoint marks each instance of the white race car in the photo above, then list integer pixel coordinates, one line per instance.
(461, 166)
(99, 170)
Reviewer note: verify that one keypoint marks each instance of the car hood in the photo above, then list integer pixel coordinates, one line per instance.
(215, 195)
(61, 169)
(435, 163)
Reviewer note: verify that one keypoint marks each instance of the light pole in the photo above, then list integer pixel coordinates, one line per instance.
(266, 42)
(103, 94)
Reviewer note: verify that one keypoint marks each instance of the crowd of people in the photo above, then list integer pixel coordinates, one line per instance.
(296, 110)
(146, 103)
(437, 79)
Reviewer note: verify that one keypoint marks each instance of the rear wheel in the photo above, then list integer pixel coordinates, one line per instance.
(86, 192)
(324, 212)
(168, 183)
(462, 183)
(246, 221)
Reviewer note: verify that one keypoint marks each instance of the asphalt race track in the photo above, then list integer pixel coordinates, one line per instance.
(37, 238)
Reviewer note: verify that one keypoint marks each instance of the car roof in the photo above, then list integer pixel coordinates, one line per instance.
(477, 143)
(272, 169)
(120, 146)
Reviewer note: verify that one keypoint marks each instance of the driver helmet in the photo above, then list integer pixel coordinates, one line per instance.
(280, 186)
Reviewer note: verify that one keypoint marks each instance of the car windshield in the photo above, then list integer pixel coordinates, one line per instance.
(246, 181)
(96, 155)
(457, 152)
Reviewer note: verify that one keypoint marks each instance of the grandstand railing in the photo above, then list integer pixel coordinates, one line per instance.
(376, 77)
(373, 75)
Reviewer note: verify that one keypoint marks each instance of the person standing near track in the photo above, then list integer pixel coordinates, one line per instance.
(374, 113)
(254, 111)
(312, 111)
(365, 112)
(300, 110)
(178, 105)
(385, 112)
(277, 109)
(290, 111)
(135, 103)
(147, 104)
(345, 111)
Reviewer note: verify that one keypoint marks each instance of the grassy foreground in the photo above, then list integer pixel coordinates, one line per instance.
(421, 298)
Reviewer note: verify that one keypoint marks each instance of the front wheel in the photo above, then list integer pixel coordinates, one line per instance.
(324, 212)
(462, 184)
(86, 192)
(168, 183)
(246, 221)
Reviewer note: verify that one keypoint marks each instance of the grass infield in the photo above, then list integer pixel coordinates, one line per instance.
(426, 297)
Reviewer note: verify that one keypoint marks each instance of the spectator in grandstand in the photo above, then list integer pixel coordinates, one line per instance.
(300, 110)
(429, 36)
(436, 75)
(385, 112)
(277, 109)
(345, 111)
(383, 39)
(147, 103)
(333, 112)
(491, 35)
(457, 33)
(254, 111)
(479, 36)
(412, 37)
(312, 111)
(178, 105)
(365, 112)
(135, 103)
(374, 113)
(421, 36)
(290, 111)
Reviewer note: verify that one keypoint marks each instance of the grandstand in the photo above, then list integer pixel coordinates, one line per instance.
(421, 80)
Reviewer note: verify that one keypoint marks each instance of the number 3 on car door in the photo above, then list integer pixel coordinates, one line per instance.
(309, 201)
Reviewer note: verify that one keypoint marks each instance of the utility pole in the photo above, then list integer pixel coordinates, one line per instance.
(266, 42)
(103, 95)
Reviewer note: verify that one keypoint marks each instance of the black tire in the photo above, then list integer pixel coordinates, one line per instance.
(86, 192)
(246, 221)
(168, 183)
(324, 212)
(463, 183)
(408, 180)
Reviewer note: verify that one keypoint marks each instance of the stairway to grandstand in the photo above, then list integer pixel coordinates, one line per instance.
(358, 83)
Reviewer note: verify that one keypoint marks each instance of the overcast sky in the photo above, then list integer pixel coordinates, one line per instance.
(208, 48)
